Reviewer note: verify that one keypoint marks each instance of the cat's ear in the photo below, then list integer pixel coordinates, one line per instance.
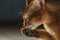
(28, 2)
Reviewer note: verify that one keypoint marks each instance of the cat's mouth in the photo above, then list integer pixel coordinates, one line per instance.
(29, 32)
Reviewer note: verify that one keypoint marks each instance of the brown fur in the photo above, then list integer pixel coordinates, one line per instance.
(47, 14)
(43, 34)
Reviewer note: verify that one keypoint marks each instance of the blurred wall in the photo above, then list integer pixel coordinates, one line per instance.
(9, 9)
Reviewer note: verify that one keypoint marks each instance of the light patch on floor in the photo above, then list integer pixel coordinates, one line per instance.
(11, 33)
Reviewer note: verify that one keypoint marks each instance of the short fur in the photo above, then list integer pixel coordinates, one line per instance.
(39, 12)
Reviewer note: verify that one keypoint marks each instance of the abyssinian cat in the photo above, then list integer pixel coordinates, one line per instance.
(38, 12)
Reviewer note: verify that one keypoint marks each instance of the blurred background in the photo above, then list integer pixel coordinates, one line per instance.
(11, 19)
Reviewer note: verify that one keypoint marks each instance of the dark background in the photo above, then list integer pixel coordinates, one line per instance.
(10, 11)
